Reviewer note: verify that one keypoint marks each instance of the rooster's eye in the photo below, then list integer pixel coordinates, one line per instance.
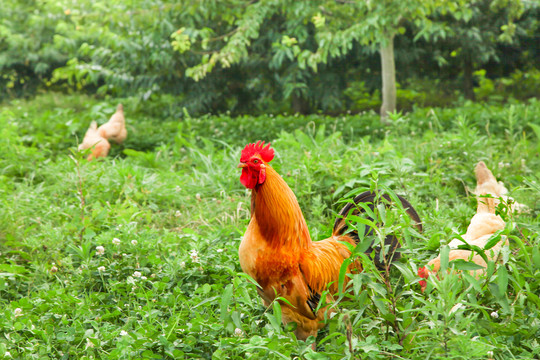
(255, 161)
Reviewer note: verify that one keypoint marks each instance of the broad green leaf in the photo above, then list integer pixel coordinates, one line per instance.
(225, 302)
(445, 251)
(460, 264)
(502, 280)
(493, 240)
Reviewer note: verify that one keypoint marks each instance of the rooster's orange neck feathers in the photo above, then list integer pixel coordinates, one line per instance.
(278, 214)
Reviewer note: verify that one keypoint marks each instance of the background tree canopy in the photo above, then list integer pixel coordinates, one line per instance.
(272, 56)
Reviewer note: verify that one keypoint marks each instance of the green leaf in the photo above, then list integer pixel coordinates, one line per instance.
(405, 271)
(277, 311)
(460, 264)
(536, 256)
(225, 302)
(362, 221)
(493, 240)
(445, 251)
(502, 280)
(472, 280)
(343, 273)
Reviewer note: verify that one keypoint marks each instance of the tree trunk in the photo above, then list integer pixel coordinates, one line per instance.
(388, 67)
(468, 86)
(299, 104)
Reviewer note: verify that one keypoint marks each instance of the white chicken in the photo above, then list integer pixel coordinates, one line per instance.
(115, 128)
(99, 145)
(484, 224)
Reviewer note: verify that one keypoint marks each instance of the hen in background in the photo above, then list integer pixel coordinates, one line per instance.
(115, 128)
(484, 224)
(100, 146)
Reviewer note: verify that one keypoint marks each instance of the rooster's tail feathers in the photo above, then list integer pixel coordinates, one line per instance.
(370, 199)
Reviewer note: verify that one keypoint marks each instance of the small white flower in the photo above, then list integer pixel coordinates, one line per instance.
(7, 354)
(143, 278)
(133, 242)
(18, 312)
(54, 269)
(116, 241)
(182, 264)
(123, 333)
(198, 196)
(177, 213)
(495, 315)
(194, 256)
(137, 274)
(89, 344)
(238, 332)
(177, 189)
(100, 250)
(490, 355)
(101, 268)
(219, 250)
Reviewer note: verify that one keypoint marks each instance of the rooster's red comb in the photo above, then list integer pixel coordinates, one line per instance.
(266, 152)
(423, 272)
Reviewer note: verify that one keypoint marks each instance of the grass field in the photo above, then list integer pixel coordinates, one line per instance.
(135, 256)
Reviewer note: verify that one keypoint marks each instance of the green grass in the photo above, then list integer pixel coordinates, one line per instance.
(172, 287)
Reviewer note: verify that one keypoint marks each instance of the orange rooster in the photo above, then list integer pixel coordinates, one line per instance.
(277, 250)
(92, 139)
(484, 224)
(115, 128)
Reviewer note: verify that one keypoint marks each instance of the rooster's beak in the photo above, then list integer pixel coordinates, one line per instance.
(242, 165)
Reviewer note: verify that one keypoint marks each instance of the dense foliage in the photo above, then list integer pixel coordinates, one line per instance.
(263, 55)
(135, 256)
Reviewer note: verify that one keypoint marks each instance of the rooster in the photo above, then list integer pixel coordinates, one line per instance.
(277, 250)
(115, 128)
(100, 146)
(484, 224)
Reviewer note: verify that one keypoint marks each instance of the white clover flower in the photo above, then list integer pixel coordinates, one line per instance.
(495, 315)
(116, 241)
(54, 269)
(238, 332)
(177, 213)
(123, 333)
(18, 312)
(143, 278)
(7, 354)
(198, 196)
(101, 268)
(134, 242)
(137, 274)
(219, 250)
(89, 344)
(100, 250)
(182, 264)
(194, 256)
